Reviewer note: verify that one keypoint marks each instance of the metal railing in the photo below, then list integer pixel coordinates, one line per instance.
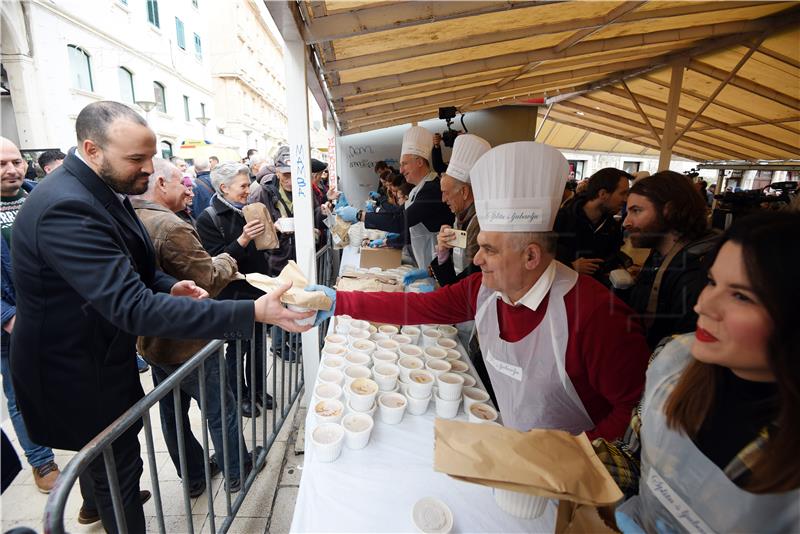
(286, 372)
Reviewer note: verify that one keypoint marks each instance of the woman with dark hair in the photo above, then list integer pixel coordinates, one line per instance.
(666, 215)
(717, 430)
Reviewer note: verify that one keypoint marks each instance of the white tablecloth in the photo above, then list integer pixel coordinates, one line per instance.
(374, 489)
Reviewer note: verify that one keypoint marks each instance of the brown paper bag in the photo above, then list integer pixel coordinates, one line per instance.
(548, 463)
(574, 518)
(341, 230)
(297, 295)
(369, 282)
(258, 212)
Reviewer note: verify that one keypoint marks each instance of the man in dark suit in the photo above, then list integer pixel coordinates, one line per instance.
(87, 286)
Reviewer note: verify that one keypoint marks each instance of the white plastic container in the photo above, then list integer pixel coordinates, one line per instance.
(381, 356)
(336, 339)
(357, 334)
(420, 383)
(392, 407)
(450, 386)
(446, 343)
(357, 430)
(459, 366)
(452, 355)
(328, 392)
(435, 353)
(447, 409)
(430, 336)
(328, 411)
(437, 367)
(481, 413)
(369, 411)
(469, 381)
(410, 350)
(356, 371)
(300, 309)
(360, 359)
(388, 329)
(386, 375)
(327, 439)
(418, 406)
(412, 332)
(473, 395)
(364, 346)
(402, 339)
(408, 364)
(447, 331)
(362, 394)
(333, 362)
(334, 350)
(519, 504)
(432, 516)
(359, 324)
(331, 376)
(388, 345)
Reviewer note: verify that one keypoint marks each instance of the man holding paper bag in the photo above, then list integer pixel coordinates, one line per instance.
(561, 351)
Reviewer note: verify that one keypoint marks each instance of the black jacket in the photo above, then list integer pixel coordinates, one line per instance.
(579, 238)
(685, 278)
(87, 285)
(427, 209)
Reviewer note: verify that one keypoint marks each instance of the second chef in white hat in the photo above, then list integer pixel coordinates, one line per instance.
(561, 351)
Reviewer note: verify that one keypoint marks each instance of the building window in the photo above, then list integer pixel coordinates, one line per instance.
(198, 47)
(81, 68)
(166, 149)
(161, 100)
(126, 91)
(631, 167)
(576, 169)
(179, 33)
(186, 114)
(152, 13)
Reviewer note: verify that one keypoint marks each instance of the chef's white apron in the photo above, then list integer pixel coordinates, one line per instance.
(680, 488)
(530, 376)
(423, 241)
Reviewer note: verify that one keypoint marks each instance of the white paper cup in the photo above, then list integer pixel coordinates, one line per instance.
(364, 346)
(473, 395)
(446, 343)
(408, 364)
(437, 367)
(377, 336)
(450, 386)
(418, 406)
(386, 375)
(459, 366)
(331, 376)
(359, 324)
(402, 339)
(372, 329)
(481, 413)
(434, 353)
(328, 392)
(362, 393)
(447, 409)
(452, 354)
(392, 407)
(343, 319)
(388, 345)
(388, 329)
(420, 383)
(381, 356)
(300, 309)
(520, 505)
(343, 328)
(469, 381)
(430, 336)
(327, 439)
(447, 331)
(336, 339)
(357, 429)
(358, 358)
(328, 411)
(333, 362)
(356, 371)
(334, 350)
(411, 331)
(410, 350)
(356, 335)
(370, 411)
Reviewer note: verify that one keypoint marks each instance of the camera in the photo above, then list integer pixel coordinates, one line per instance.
(449, 135)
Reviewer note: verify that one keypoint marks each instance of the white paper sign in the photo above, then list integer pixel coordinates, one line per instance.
(508, 369)
(675, 505)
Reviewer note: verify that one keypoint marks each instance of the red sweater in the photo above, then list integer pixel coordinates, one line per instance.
(606, 353)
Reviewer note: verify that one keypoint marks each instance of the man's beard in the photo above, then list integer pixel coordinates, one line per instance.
(119, 184)
(650, 237)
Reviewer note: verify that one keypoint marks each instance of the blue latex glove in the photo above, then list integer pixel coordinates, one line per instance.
(348, 214)
(369, 207)
(377, 243)
(323, 315)
(425, 288)
(391, 236)
(413, 276)
(626, 524)
(374, 195)
(341, 202)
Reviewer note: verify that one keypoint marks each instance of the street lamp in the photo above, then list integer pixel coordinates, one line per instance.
(147, 106)
(203, 120)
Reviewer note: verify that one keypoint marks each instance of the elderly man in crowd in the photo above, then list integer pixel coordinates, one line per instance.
(561, 350)
(203, 189)
(93, 293)
(179, 253)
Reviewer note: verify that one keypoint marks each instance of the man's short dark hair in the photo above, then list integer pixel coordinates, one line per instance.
(215, 158)
(380, 166)
(685, 211)
(251, 151)
(94, 120)
(607, 179)
(49, 156)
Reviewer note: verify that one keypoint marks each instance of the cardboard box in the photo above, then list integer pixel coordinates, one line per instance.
(385, 258)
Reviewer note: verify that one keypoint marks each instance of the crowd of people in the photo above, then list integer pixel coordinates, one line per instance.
(683, 370)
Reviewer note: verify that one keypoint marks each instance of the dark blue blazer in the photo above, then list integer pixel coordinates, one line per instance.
(86, 286)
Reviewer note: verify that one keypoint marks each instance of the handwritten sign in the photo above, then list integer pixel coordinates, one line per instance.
(515, 216)
(675, 505)
(303, 184)
(508, 369)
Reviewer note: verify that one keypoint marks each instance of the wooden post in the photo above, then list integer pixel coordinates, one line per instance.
(668, 137)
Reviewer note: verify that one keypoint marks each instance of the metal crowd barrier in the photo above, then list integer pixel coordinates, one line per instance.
(287, 383)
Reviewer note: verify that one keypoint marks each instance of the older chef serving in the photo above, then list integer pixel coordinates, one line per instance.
(424, 213)
(561, 351)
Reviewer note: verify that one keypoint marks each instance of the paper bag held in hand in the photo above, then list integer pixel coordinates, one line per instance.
(297, 295)
(258, 212)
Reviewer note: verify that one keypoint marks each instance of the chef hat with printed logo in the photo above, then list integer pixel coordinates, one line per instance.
(418, 141)
(518, 187)
(466, 151)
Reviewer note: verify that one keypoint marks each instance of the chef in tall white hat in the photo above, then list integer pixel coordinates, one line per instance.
(424, 213)
(561, 351)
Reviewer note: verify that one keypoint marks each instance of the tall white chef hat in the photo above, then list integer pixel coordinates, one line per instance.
(466, 151)
(518, 187)
(418, 141)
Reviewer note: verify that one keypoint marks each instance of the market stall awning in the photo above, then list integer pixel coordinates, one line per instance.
(603, 69)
